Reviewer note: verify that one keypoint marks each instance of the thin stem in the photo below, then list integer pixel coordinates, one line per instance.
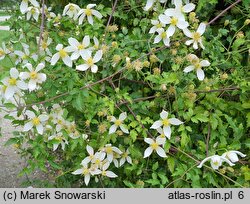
(42, 25)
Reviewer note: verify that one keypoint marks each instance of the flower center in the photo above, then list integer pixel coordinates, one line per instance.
(197, 65)
(118, 122)
(35, 121)
(174, 21)
(62, 53)
(216, 163)
(85, 171)
(196, 36)
(71, 8)
(154, 145)
(33, 75)
(33, 11)
(104, 173)
(59, 138)
(162, 136)
(164, 35)
(159, 25)
(12, 81)
(109, 150)
(44, 45)
(165, 122)
(24, 57)
(88, 12)
(80, 47)
(2, 53)
(97, 161)
(90, 62)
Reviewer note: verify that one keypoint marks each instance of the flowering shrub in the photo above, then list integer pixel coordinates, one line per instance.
(133, 94)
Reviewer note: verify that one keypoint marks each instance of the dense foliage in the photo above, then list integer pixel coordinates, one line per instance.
(108, 96)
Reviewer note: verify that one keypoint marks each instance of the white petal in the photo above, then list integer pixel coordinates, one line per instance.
(175, 121)
(157, 39)
(24, 75)
(22, 85)
(81, 18)
(182, 24)
(111, 174)
(87, 179)
(170, 12)
(86, 41)
(77, 172)
(122, 161)
(94, 68)
(167, 131)
(195, 45)
(164, 114)
(170, 30)
(204, 63)
(75, 55)
(124, 129)
(164, 19)
(90, 150)
(123, 116)
(203, 161)
(187, 33)
(39, 67)
(166, 41)
(201, 29)
(129, 160)
(9, 92)
(112, 129)
(153, 29)
(97, 14)
(39, 129)
(82, 67)
(59, 47)
(97, 56)
(189, 69)
(239, 153)
(161, 152)
(41, 77)
(27, 126)
(90, 20)
(148, 140)
(30, 114)
(86, 55)
(55, 58)
(14, 73)
(156, 124)
(67, 61)
(188, 8)
(73, 42)
(149, 4)
(232, 157)
(32, 85)
(43, 117)
(200, 74)
(148, 152)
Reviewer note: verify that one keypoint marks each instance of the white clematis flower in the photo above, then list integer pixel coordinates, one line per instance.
(154, 145)
(106, 173)
(196, 36)
(215, 161)
(63, 54)
(89, 61)
(12, 85)
(86, 172)
(32, 12)
(156, 25)
(162, 135)
(35, 121)
(233, 155)
(71, 10)
(166, 122)
(118, 123)
(33, 76)
(60, 140)
(179, 8)
(197, 64)
(25, 3)
(89, 12)
(150, 4)
(79, 48)
(24, 56)
(177, 20)
(125, 157)
(110, 151)
(3, 51)
(162, 35)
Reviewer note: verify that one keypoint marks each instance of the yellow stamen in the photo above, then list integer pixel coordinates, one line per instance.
(71, 8)
(118, 122)
(2, 53)
(165, 122)
(164, 35)
(109, 150)
(44, 45)
(174, 21)
(196, 36)
(33, 75)
(12, 81)
(104, 173)
(90, 61)
(154, 145)
(62, 53)
(80, 47)
(85, 171)
(159, 25)
(197, 65)
(35, 121)
(88, 12)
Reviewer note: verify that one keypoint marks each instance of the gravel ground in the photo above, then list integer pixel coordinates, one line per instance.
(10, 162)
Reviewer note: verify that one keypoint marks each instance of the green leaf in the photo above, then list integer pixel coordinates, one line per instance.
(171, 163)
